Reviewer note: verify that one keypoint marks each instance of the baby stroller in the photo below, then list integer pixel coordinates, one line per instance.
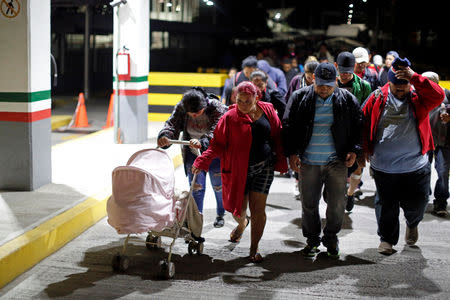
(144, 200)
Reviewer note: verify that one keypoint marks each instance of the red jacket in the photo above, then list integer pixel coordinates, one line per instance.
(425, 96)
(232, 142)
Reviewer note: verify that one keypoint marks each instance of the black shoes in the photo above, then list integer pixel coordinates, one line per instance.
(440, 210)
(219, 222)
(350, 203)
(333, 251)
(310, 251)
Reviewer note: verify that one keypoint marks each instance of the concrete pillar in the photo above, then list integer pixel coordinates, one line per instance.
(132, 30)
(25, 96)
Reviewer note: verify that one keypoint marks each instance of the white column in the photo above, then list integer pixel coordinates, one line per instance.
(25, 104)
(131, 30)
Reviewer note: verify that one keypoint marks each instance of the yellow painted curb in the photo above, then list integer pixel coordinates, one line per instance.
(60, 121)
(25, 251)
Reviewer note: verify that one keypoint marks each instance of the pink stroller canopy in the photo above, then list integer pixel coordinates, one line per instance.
(143, 193)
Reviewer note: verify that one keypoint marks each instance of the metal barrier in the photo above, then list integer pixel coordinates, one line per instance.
(166, 89)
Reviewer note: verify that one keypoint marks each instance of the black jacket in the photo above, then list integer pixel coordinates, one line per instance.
(298, 122)
(277, 100)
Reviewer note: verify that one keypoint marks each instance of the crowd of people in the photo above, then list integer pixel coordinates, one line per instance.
(324, 120)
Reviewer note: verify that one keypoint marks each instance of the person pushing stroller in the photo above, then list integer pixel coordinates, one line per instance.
(197, 115)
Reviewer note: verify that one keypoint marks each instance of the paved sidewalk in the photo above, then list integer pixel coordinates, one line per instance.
(82, 268)
(35, 224)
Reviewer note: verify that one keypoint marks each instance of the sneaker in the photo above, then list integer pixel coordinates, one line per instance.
(310, 251)
(333, 251)
(440, 210)
(219, 222)
(358, 193)
(385, 248)
(350, 203)
(411, 236)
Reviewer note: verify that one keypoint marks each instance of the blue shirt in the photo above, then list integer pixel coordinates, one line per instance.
(321, 149)
(397, 147)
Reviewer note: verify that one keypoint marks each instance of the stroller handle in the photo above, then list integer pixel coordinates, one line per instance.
(195, 151)
(178, 142)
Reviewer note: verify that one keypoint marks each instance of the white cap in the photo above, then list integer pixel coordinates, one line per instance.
(361, 55)
(378, 60)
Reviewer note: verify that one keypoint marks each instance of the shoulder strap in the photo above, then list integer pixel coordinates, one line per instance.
(236, 78)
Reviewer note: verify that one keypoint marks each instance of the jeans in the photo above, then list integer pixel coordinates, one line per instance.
(410, 191)
(214, 176)
(333, 177)
(442, 166)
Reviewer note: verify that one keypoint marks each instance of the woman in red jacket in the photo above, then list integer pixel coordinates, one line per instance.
(248, 141)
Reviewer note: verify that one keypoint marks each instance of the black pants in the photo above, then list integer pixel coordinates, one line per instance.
(410, 191)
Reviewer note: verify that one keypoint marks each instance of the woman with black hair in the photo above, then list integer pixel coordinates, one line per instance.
(197, 115)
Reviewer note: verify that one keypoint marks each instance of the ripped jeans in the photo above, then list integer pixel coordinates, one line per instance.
(214, 176)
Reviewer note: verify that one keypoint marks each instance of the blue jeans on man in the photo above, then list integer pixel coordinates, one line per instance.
(409, 191)
(332, 177)
(216, 182)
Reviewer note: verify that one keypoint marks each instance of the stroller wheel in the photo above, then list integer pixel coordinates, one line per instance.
(193, 248)
(167, 269)
(199, 248)
(153, 242)
(120, 263)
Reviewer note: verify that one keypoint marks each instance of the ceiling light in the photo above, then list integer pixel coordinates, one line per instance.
(351, 6)
(277, 16)
(209, 3)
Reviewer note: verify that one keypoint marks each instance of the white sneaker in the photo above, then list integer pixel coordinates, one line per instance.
(385, 248)
(411, 236)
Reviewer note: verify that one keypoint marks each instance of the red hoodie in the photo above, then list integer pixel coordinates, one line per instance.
(425, 96)
(232, 142)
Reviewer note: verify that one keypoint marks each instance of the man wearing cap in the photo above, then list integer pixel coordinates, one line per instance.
(362, 69)
(383, 75)
(345, 64)
(321, 136)
(289, 72)
(397, 136)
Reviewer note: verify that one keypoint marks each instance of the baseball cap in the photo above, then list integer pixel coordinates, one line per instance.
(346, 62)
(378, 60)
(361, 55)
(325, 74)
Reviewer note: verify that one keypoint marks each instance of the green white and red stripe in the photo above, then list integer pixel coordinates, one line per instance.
(136, 86)
(25, 107)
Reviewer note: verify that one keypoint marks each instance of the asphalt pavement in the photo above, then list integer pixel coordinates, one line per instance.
(82, 268)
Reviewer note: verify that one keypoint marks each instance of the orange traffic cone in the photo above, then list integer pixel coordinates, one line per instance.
(110, 117)
(81, 119)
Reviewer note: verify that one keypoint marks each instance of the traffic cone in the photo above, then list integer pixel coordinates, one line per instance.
(81, 118)
(110, 116)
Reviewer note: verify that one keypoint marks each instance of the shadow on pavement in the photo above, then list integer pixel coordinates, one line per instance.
(371, 274)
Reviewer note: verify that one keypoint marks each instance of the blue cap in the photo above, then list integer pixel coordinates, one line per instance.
(325, 74)
(396, 64)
